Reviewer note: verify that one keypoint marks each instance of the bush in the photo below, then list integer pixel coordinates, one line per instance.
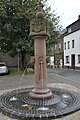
(14, 71)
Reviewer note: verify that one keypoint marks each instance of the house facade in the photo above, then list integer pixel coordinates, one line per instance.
(57, 53)
(72, 45)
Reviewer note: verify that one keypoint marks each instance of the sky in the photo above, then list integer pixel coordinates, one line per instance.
(68, 10)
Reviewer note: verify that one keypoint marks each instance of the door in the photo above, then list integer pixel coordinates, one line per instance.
(73, 61)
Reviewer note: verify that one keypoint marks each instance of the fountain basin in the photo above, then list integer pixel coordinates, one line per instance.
(19, 104)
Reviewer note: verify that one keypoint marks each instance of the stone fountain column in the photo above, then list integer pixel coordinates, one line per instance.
(38, 30)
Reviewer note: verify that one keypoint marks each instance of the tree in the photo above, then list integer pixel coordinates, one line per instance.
(15, 17)
(54, 28)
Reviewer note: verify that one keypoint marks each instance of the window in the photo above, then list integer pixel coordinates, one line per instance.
(72, 43)
(59, 45)
(68, 44)
(78, 58)
(65, 45)
(67, 59)
(69, 29)
(55, 47)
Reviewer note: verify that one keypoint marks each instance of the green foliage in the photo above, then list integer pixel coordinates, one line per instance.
(14, 71)
(15, 17)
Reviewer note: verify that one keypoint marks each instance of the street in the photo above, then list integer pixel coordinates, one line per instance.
(70, 77)
(70, 74)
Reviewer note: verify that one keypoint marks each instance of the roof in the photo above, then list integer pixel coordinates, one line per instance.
(72, 27)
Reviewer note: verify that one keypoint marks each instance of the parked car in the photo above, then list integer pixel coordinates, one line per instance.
(3, 68)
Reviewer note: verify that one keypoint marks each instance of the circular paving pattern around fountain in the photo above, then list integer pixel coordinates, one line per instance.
(19, 104)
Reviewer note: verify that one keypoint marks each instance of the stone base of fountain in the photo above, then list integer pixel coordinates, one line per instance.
(40, 94)
(19, 104)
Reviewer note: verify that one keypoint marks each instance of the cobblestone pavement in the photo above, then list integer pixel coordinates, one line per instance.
(8, 83)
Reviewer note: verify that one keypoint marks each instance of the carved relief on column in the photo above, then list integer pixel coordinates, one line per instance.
(39, 25)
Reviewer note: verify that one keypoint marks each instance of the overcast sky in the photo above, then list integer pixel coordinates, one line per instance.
(68, 10)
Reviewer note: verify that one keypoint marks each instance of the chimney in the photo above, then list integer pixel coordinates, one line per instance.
(78, 17)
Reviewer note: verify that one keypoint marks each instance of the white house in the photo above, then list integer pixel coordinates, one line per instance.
(72, 45)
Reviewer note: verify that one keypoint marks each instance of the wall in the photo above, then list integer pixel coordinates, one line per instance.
(10, 61)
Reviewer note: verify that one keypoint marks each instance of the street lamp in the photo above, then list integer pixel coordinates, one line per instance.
(18, 51)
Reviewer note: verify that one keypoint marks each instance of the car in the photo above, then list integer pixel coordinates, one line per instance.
(3, 68)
